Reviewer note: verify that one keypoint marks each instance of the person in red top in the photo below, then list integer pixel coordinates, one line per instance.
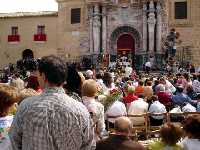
(164, 97)
(130, 97)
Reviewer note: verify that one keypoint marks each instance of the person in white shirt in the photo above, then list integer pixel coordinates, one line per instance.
(176, 118)
(176, 109)
(168, 86)
(128, 71)
(136, 107)
(116, 109)
(96, 109)
(148, 66)
(191, 128)
(189, 108)
(156, 107)
(123, 58)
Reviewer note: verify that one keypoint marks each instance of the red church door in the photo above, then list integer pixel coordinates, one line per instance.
(126, 47)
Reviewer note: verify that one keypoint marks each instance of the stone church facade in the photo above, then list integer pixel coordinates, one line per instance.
(128, 27)
(134, 28)
(101, 28)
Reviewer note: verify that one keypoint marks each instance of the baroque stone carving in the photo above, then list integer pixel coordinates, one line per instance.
(133, 20)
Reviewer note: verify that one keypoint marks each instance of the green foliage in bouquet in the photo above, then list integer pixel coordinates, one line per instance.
(113, 96)
(99, 90)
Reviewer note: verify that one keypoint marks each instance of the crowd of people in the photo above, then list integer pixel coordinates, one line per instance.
(57, 107)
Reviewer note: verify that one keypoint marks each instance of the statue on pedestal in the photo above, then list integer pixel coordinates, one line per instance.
(171, 43)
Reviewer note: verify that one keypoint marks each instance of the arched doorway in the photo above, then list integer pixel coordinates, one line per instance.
(27, 54)
(125, 40)
(126, 47)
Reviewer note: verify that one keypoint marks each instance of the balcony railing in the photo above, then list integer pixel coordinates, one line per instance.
(13, 38)
(40, 37)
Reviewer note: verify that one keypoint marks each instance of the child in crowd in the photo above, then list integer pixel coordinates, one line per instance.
(9, 95)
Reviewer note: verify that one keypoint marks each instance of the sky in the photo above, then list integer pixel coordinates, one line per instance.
(7, 6)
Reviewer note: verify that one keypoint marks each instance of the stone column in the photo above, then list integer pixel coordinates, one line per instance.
(96, 29)
(91, 29)
(144, 27)
(151, 25)
(104, 29)
(159, 28)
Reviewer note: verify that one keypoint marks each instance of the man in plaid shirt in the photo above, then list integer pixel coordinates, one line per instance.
(53, 120)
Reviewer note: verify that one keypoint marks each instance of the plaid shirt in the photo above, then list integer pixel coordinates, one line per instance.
(52, 121)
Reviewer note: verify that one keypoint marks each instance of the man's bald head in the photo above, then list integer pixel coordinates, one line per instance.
(123, 125)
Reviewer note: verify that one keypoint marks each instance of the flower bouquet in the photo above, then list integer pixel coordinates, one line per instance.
(113, 95)
(99, 90)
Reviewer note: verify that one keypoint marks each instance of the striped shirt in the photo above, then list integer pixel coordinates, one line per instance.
(52, 121)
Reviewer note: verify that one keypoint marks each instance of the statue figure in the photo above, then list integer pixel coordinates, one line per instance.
(171, 43)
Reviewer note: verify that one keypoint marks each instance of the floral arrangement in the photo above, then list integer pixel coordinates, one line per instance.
(99, 90)
(114, 95)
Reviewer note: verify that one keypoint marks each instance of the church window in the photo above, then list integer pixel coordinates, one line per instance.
(75, 15)
(181, 10)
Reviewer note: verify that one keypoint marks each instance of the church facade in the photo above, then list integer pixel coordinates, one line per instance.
(105, 29)
(117, 28)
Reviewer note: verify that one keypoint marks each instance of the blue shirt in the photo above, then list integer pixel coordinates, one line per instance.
(180, 99)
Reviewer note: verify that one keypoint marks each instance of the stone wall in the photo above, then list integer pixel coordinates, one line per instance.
(189, 30)
(73, 39)
(27, 27)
